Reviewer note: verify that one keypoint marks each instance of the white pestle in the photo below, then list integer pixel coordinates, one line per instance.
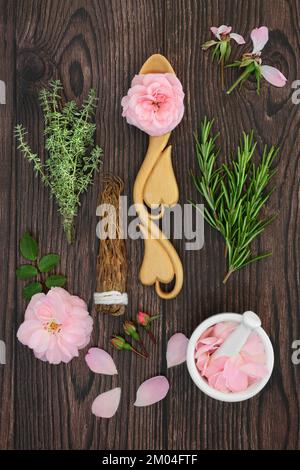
(236, 340)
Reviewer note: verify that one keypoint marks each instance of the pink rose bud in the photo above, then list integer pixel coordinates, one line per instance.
(143, 318)
(130, 330)
(120, 343)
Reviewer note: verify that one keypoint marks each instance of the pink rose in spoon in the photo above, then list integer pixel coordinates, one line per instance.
(154, 103)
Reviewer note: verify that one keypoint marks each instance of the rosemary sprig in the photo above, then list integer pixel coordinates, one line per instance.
(235, 194)
(72, 159)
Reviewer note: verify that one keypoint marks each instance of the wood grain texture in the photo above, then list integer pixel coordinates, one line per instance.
(103, 44)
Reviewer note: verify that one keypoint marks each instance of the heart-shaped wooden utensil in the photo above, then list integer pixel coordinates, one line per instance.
(161, 187)
(156, 185)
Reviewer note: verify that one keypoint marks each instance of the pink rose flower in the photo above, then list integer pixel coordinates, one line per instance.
(154, 103)
(56, 326)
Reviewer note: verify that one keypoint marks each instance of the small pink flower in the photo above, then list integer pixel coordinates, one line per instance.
(154, 103)
(56, 326)
(221, 46)
(260, 37)
(223, 32)
(252, 63)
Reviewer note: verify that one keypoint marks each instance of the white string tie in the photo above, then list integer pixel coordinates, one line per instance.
(111, 297)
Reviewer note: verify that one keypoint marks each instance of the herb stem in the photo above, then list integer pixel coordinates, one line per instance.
(69, 230)
(241, 78)
(222, 72)
(138, 353)
(151, 336)
(231, 271)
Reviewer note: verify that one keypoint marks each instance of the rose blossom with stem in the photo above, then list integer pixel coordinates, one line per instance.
(222, 49)
(252, 63)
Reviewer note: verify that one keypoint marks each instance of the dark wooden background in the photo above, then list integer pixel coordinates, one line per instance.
(103, 44)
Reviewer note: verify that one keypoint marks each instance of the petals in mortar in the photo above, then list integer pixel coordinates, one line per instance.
(106, 404)
(151, 391)
(176, 349)
(100, 362)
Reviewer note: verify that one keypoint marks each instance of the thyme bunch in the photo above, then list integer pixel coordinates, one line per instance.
(235, 194)
(72, 157)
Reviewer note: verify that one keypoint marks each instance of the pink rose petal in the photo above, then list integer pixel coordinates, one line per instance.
(208, 346)
(202, 364)
(151, 391)
(258, 371)
(176, 349)
(207, 333)
(106, 404)
(207, 340)
(253, 345)
(257, 358)
(220, 383)
(273, 76)
(260, 37)
(100, 362)
(215, 365)
(236, 380)
(223, 329)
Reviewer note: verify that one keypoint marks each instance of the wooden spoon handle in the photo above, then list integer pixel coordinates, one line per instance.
(157, 184)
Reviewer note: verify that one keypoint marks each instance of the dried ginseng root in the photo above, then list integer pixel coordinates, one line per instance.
(110, 296)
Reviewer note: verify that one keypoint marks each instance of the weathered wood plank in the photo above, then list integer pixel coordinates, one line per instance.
(8, 224)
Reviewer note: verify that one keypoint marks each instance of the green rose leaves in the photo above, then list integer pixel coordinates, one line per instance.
(36, 272)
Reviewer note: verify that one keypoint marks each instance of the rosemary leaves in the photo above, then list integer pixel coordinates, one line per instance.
(72, 158)
(235, 194)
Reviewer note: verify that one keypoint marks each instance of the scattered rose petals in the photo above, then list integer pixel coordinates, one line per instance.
(176, 349)
(151, 391)
(100, 362)
(106, 404)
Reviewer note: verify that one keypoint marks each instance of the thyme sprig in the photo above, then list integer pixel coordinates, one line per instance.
(72, 159)
(235, 194)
